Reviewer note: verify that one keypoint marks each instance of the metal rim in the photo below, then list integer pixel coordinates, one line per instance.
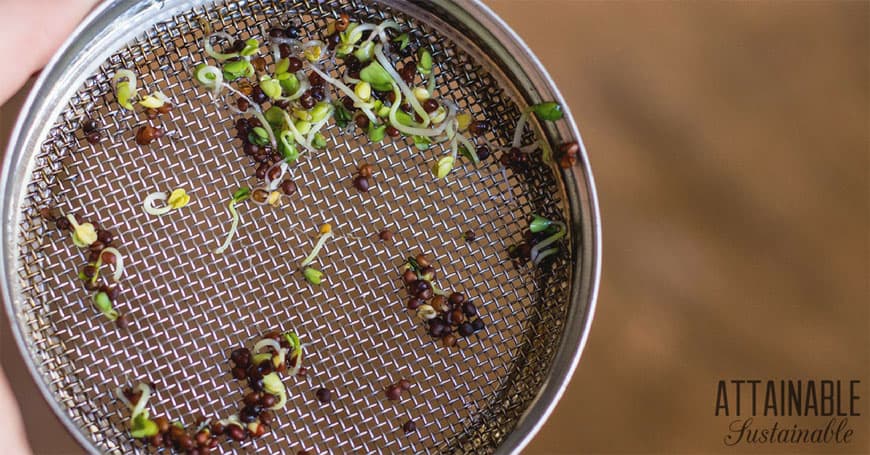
(515, 54)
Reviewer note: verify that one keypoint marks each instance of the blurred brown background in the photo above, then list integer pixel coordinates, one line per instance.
(731, 147)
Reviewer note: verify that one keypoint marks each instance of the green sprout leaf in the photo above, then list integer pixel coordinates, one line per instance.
(143, 427)
(550, 111)
(377, 76)
(271, 87)
(422, 142)
(342, 116)
(275, 116)
(443, 167)
(258, 136)
(365, 51)
(289, 83)
(318, 141)
(241, 194)
(404, 40)
(424, 61)
(539, 224)
(376, 133)
(313, 275)
(287, 146)
(251, 47)
(238, 69)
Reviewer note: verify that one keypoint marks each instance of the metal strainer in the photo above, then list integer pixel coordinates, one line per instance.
(190, 307)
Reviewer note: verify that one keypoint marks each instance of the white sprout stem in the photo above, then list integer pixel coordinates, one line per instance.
(364, 28)
(544, 254)
(282, 400)
(232, 232)
(215, 54)
(119, 262)
(317, 247)
(143, 399)
(518, 132)
(549, 240)
(232, 420)
(72, 221)
(357, 101)
(297, 136)
(119, 392)
(414, 131)
(304, 85)
(468, 146)
(218, 82)
(266, 342)
(297, 365)
(316, 128)
(385, 62)
(430, 86)
(149, 207)
(350, 80)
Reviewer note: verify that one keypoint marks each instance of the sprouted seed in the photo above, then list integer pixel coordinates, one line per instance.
(240, 195)
(173, 201)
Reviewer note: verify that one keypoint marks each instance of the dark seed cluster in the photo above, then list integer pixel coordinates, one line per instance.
(263, 157)
(105, 239)
(515, 159)
(196, 440)
(147, 133)
(92, 131)
(447, 316)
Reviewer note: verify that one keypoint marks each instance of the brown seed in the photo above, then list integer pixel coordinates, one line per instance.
(408, 72)
(165, 109)
(175, 432)
(393, 392)
(409, 427)
(93, 137)
(267, 417)
(268, 400)
(274, 172)
(240, 373)
(409, 276)
(342, 22)
(284, 50)
(295, 64)
(108, 258)
(405, 384)
(89, 126)
(362, 121)
(151, 114)
(423, 260)
(457, 316)
(478, 127)
(252, 398)
(156, 440)
(288, 187)
(366, 170)
(148, 134)
(392, 131)
(261, 171)
(259, 64)
(386, 235)
(570, 149)
(456, 298)
(97, 246)
(449, 340)
(323, 395)
(122, 322)
(242, 104)
(430, 105)
(202, 438)
(217, 429)
(185, 442)
(414, 303)
(236, 433)
(162, 424)
(440, 303)
(361, 183)
(105, 236)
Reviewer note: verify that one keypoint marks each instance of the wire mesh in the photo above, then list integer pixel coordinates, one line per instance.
(189, 307)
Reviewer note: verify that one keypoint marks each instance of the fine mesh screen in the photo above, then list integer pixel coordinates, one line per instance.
(189, 307)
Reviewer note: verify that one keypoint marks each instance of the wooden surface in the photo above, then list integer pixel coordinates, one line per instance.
(730, 143)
